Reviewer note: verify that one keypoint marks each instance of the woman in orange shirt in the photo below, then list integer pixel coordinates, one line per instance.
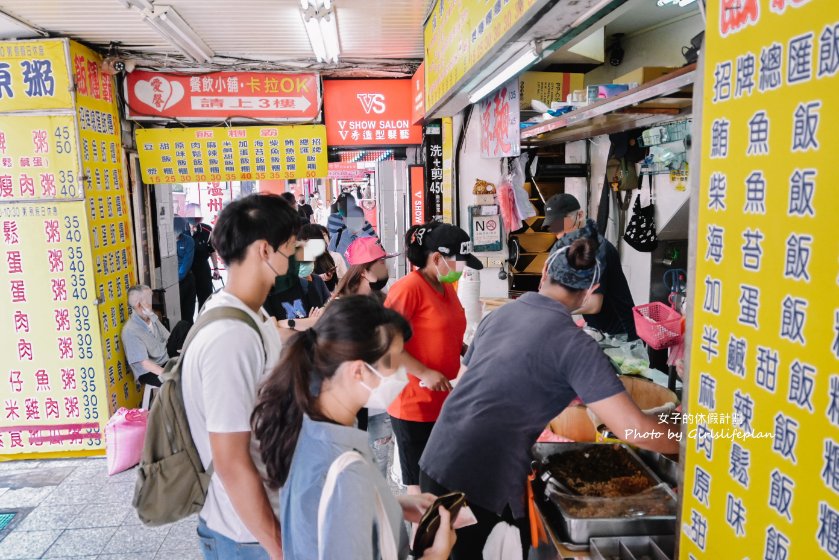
(427, 299)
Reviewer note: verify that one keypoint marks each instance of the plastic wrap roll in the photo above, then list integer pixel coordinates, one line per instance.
(469, 292)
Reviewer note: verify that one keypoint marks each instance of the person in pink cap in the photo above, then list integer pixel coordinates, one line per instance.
(368, 272)
(367, 276)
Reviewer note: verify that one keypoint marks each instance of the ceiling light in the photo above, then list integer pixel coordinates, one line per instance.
(322, 29)
(172, 27)
(679, 3)
(139, 4)
(524, 60)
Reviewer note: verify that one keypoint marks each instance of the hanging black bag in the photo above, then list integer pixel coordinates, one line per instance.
(640, 232)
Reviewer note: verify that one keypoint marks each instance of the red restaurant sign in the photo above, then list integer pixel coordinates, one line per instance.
(221, 95)
(369, 113)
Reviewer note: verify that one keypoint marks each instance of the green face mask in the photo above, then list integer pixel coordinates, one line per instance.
(283, 283)
(450, 277)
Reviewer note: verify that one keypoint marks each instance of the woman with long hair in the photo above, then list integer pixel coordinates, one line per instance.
(427, 299)
(304, 419)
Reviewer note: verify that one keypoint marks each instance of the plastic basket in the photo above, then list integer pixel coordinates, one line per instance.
(658, 325)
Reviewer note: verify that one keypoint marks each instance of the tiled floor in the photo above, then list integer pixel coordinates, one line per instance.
(78, 511)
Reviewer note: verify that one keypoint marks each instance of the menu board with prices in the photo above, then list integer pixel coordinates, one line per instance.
(246, 153)
(762, 454)
(38, 158)
(434, 170)
(34, 76)
(108, 215)
(53, 397)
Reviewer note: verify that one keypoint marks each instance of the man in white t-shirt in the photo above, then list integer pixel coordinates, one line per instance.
(255, 236)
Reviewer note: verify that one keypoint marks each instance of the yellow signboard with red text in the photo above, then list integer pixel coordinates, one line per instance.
(765, 344)
(239, 153)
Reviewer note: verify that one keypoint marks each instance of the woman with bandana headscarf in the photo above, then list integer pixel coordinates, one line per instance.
(527, 362)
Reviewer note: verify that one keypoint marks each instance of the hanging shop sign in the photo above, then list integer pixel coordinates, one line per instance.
(369, 113)
(434, 170)
(458, 35)
(416, 176)
(341, 170)
(34, 76)
(418, 90)
(267, 96)
(244, 153)
(762, 454)
(447, 185)
(499, 112)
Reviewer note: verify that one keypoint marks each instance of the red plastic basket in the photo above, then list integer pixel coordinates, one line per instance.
(658, 325)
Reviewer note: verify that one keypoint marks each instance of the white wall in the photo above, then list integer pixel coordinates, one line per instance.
(657, 47)
(473, 166)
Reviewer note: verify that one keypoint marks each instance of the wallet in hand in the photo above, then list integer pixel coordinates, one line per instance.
(430, 522)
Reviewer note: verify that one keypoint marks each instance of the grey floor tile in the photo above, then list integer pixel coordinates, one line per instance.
(180, 537)
(48, 518)
(80, 542)
(129, 476)
(128, 556)
(101, 515)
(74, 494)
(121, 493)
(136, 538)
(27, 544)
(25, 497)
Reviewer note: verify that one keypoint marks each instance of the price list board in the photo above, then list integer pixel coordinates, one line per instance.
(243, 153)
(762, 454)
(108, 216)
(53, 398)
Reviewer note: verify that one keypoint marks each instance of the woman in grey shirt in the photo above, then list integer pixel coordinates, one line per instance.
(304, 420)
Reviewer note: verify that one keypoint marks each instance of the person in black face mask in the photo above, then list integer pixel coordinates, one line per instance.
(367, 274)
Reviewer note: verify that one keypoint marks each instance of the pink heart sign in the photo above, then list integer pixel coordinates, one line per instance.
(159, 93)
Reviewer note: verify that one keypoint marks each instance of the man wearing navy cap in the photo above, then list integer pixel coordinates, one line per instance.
(609, 309)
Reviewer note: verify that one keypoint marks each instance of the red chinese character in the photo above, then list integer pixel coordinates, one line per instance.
(77, 433)
(93, 75)
(21, 321)
(25, 162)
(7, 162)
(59, 289)
(56, 257)
(107, 88)
(38, 161)
(214, 205)
(10, 234)
(80, 70)
(3, 142)
(71, 407)
(62, 319)
(502, 122)
(215, 190)
(15, 381)
(18, 291)
(48, 185)
(6, 186)
(39, 139)
(33, 409)
(65, 348)
(12, 409)
(24, 350)
(42, 378)
(737, 14)
(156, 85)
(51, 231)
(157, 101)
(16, 440)
(27, 185)
(15, 262)
(68, 378)
(51, 407)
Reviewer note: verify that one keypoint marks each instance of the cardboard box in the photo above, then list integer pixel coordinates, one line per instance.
(643, 75)
(598, 92)
(547, 86)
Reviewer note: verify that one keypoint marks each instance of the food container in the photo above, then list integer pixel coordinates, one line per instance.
(633, 548)
(558, 507)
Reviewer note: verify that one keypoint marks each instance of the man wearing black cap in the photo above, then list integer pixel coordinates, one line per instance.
(609, 309)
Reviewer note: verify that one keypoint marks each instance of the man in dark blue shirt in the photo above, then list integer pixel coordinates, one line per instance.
(186, 279)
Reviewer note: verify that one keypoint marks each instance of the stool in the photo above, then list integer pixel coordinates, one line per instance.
(147, 396)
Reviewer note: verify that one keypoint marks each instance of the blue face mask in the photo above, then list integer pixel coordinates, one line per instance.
(305, 269)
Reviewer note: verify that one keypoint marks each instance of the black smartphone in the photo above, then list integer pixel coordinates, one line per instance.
(430, 522)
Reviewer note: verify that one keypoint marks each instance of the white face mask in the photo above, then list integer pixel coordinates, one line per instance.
(146, 312)
(389, 388)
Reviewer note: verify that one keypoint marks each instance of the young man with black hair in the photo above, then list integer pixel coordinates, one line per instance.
(255, 237)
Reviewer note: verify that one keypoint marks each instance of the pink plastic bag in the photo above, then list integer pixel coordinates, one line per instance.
(124, 437)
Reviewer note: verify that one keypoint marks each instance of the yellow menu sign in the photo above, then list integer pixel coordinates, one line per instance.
(239, 153)
(34, 76)
(458, 35)
(762, 472)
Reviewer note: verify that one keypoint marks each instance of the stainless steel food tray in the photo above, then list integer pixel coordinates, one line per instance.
(633, 548)
(579, 530)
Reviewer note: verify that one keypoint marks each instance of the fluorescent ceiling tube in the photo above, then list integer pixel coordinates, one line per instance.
(513, 69)
(139, 4)
(329, 33)
(322, 29)
(172, 27)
